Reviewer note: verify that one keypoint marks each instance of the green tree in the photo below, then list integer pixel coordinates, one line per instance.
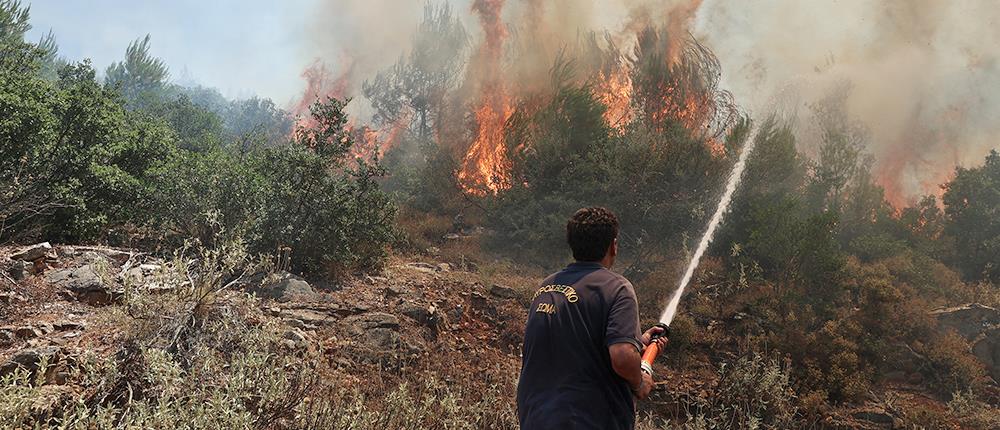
(27, 130)
(257, 119)
(140, 76)
(972, 208)
(419, 83)
(13, 21)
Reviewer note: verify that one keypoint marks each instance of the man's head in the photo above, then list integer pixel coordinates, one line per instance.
(592, 234)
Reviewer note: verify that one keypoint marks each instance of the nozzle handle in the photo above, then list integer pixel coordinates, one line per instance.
(653, 349)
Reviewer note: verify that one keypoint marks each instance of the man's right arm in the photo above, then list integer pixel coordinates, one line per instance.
(623, 337)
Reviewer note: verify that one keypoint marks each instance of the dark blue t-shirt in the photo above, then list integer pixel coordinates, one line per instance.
(567, 381)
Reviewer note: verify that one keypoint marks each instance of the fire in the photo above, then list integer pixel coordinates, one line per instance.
(486, 164)
(320, 84)
(615, 91)
(485, 167)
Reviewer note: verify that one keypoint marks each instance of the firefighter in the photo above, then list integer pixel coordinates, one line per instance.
(581, 356)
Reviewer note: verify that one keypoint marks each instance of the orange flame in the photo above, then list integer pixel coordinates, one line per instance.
(486, 164)
(615, 91)
(485, 167)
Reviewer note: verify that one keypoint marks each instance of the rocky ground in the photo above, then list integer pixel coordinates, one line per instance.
(420, 318)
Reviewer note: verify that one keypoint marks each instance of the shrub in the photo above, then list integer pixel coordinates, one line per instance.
(951, 367)
(324, 204)
(754, 392)
(972, 412)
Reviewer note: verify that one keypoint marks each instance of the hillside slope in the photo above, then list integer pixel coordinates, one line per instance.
(102, 337)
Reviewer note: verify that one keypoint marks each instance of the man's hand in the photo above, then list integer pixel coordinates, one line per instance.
(644, 387)
(655, 330)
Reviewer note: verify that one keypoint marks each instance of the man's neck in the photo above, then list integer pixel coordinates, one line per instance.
(604, 262)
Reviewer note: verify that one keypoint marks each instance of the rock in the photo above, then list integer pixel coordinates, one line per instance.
(85, 284)
(968, 320)
(307, 316)
(418, 313)
(68, 325)
(66, 252)
(478, 300)
(7, 337)
(375, 280)
(20, 269)
(987, 350)
(382, 338)
(374, 320)
(296, 338)
(981, 326)
(30, 359)
(149, 268)
(294, 323)
(874, 416)
(503, 292)
(452, 236)
(33, 252)
(285, 287)
(92, 257)
(423, 267)
(377, 329)
(455, 314)
(28, 332)
(11, 298)
(135, 276)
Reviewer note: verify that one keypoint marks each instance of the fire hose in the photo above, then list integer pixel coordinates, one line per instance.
(653, 349)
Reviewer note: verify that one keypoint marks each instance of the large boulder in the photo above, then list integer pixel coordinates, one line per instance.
(981, 326)
(84, 284)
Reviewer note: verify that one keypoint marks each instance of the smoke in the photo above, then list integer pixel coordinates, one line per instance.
(920, 76)
(352, 40)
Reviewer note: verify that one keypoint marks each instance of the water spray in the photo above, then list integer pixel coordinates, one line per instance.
(653, 350)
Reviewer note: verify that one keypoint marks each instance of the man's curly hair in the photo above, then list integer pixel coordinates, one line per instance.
(590, 232)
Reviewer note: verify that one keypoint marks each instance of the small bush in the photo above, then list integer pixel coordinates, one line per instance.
(950, 365)
(754, 392)
(973, 413)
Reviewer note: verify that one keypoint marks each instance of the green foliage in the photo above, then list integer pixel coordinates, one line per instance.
(971, 201)
(140, 76)
(196, 128)
(311, 195)
(74, 160)
(328, 208)
(13, 21)
(257, 120)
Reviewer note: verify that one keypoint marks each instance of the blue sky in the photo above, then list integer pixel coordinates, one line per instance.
(241, 47)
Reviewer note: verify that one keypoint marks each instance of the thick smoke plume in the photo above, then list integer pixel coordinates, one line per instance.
(920, 77)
